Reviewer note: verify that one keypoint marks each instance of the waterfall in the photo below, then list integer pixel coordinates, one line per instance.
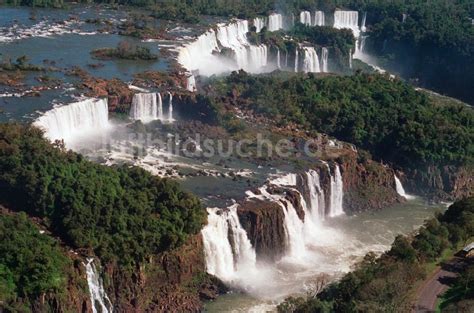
(99, 299)
(191, 83)
(69, 121)
(275, 22)
(311, 60)
(362, 27)
(286, 59)
(404, 17)
(144, 107)
(319, 19)
(347, 19)
(278, 59)
(324, 59)
(336, 193)
(294, 230)
(224, 258)
(198, 55)
(305, 18)
(258, 58)
(350, 58)
(316, 196)
(400, 189)
(296, 60)
(170, 108)
(259, 23)
(203, 55)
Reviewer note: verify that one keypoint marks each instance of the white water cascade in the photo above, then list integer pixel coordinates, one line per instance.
(400, 189)
(70, 121)
(305, 18)
(170, 108)
(278, 59)
(99, 299)
(362, 27)
(294, 228)
(296, 60)
(350, 58)
(337, 194)
(347, 19)
(316, 196)
(319, 19)
(311, 60)
(202, 55)
(324, 59)
(145, 107)
(275, 22)
(225, 259)
(259, 23)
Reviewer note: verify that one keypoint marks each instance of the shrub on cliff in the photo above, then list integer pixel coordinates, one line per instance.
(121, 213)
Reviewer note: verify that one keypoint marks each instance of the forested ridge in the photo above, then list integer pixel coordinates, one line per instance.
(122, 214)
(385, 116)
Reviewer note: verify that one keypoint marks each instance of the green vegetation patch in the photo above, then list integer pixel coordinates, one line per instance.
(125, 51)
(121, 213)
(31, 263)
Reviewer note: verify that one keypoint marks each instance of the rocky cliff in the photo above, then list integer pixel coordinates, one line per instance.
(446, 183)
(174, 281)
(264, 223)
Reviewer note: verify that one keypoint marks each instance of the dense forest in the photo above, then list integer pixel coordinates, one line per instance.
(385, 284)
(385, 116)
(122, 214)
(31, 263)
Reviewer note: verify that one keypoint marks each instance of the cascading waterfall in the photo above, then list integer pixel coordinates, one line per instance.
(198, 55)
(170, 108)
(305, 18)
(319, 19)
(259, 23)
(275, 22)
(347, 19)
(258, 57)
(225, 259)
(324, 59)
(160, 106)
(99, 299)
(229, 253)
(337, 193)
(144, 107)
(286, 59)
(202, 56)
(296, 60)
(316, 196)
(400, 189)
(350, 58)
(278, 59)
(311, 60)
(73, 120)
(294, 230)
(362, 27)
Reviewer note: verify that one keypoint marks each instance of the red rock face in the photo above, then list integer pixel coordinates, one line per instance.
(264, 223)
(174, 281)
(442, 183)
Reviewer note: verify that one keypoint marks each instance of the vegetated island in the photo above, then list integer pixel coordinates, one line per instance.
(125, 51)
